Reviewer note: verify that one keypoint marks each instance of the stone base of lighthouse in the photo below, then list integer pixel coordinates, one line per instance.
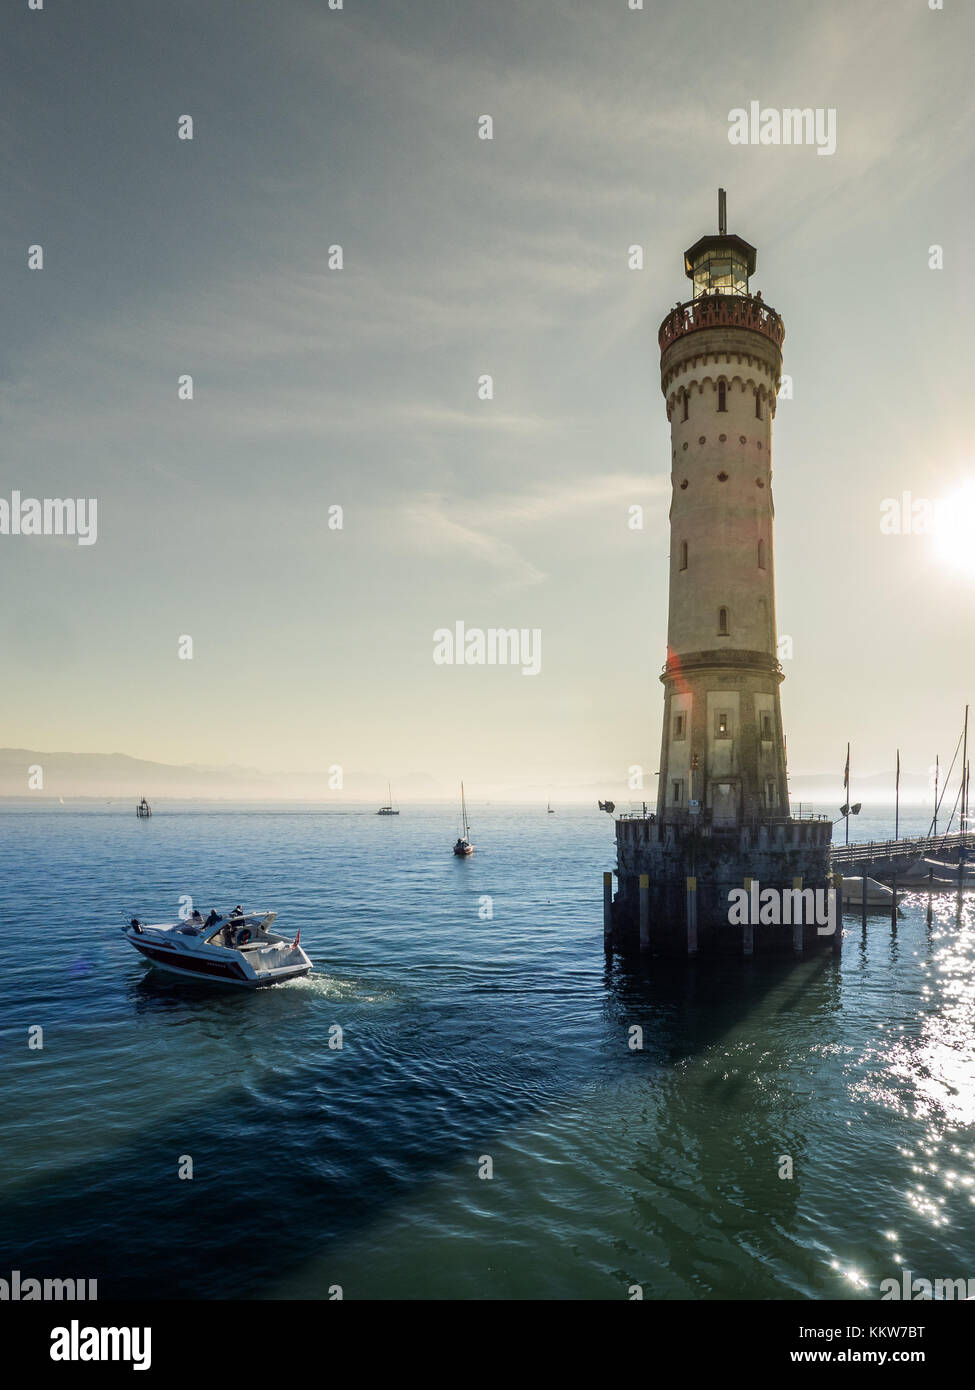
(676, 883)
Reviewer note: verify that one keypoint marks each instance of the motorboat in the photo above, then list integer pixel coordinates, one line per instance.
(239, 950)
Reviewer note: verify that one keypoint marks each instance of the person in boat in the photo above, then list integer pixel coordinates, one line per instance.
(197, 916)
(213, 919)
(233, 922)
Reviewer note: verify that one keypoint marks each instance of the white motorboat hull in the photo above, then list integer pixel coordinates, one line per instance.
(181, 950)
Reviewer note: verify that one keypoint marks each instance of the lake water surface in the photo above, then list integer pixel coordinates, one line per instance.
(465, 1037)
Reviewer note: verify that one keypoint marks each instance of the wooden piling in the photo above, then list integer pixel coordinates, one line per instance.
(838, 933)
(608, 910)
(797, 926)
(748, 930)
(692, 916)
(644, 912)
(893, 904)
(863, 902)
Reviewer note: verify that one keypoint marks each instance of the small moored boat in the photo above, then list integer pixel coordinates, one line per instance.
(239, 950)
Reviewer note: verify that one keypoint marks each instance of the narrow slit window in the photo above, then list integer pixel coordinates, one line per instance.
(723, 729)
(677, 793)
(678, 726)
(722, 396)
(766, 726)
(758, 406)
(684, 399)
(722, 622)
(683, 555)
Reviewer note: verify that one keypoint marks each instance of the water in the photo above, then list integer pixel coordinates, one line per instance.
(465, 1038)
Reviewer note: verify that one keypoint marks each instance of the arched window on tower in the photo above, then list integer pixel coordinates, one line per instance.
(761, 555)
(722, 622)
(683, 555)
(758, 405)
(684, 399)
(722, 396)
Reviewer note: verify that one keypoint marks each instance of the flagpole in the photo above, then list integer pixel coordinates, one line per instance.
(897, 798)
(846, 783)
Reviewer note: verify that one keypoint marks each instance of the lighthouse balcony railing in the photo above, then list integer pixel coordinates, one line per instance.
(675, 664)
(721, 311)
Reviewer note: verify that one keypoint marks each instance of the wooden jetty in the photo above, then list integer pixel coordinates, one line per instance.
(907, 860)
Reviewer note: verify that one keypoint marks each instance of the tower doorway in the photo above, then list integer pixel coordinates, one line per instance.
(724, 803)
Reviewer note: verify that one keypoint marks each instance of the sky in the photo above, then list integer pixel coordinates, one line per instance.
(358, 388)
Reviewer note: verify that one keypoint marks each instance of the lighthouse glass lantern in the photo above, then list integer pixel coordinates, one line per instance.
(720, 265)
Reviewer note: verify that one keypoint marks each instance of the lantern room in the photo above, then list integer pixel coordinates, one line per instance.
(720, 264)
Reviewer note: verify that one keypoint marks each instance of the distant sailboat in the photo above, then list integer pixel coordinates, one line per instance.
(550, 811)
(463, 847)
(389, 809)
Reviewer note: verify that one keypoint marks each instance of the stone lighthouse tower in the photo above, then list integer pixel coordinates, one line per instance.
(723, 752)
(722, 816)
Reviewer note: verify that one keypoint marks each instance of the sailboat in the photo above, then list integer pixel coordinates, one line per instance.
(550, 811)
(389, 809)
(463, 847)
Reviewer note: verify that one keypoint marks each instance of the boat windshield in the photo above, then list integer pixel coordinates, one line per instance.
(255, 922)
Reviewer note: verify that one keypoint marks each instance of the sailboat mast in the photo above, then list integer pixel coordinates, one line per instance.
(964, 775)
(937, 769)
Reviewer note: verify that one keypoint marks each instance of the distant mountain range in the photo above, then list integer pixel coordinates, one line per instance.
(116, 775)
(110, 775)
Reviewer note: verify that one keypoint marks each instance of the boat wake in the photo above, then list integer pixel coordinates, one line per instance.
(329, 987)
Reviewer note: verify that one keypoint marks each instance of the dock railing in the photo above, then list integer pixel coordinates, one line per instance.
(920, 847)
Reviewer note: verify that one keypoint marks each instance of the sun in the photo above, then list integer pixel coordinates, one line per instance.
(954, 530)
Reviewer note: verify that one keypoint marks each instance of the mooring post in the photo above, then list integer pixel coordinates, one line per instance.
(838, 890)
(748, 930)
(692, 916)
(797, 926)
(863, 902)
(644, 912)
(930, 895)
(893, 904)
(608, 910)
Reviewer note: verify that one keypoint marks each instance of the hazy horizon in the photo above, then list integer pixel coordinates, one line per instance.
(95, 777)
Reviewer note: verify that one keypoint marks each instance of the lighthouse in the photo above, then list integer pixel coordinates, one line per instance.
(722, 814)
(723, 749)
